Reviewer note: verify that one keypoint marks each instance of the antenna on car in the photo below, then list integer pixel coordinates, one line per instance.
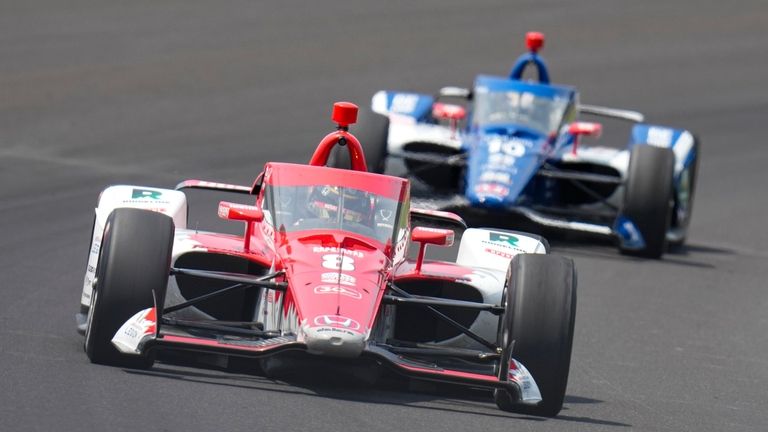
(534, 41)
(344, 114)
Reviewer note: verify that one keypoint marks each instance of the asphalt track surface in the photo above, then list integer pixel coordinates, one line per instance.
(145, 92)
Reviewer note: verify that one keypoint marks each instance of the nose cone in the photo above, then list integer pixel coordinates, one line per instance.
(334, 285)
(489, 195)
(334, 337)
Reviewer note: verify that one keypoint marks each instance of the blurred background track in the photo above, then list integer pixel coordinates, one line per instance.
(96, 93)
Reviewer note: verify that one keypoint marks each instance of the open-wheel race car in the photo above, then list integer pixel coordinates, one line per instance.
(511, 145)
(322, 270)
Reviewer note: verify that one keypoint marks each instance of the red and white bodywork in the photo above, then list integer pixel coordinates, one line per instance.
(323, 251)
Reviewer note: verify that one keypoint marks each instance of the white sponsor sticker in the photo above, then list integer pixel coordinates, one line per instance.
(404, 103)
(495, 177)
(660, 137)
(338, 289)
(338, 278)
(131, 335)
(341, 251)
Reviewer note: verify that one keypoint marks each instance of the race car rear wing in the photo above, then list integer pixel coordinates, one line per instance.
(621, 114)
(207, 185)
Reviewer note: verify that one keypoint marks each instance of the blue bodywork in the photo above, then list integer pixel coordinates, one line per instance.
(504, 155)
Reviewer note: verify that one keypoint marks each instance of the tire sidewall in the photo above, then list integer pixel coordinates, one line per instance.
(648, 197)
(540, 317)
(132, 275)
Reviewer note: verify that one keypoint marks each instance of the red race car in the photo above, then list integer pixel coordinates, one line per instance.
(322, 269)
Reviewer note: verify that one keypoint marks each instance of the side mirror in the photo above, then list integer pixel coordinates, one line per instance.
(445, 111)
(585, 128)
(450, 112)
(578, 129)
(433, 236)
(242, 212)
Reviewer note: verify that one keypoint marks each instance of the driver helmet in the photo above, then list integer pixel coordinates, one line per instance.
(324, 202)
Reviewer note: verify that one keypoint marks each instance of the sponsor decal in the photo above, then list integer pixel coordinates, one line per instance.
(216, 185)
(146, 196)
(401, 246)
(498, 240)
(404, 103)
(435, 230)
(499, 253)
(327, 249)
(338, 278)
(519, 374)
(269, 233)
(496, 177)
(131, 334)
(491, 189)
(336, 321)
(156, 209)
(225, 207)
(659, 136)
(335, 330)
(146, 193)
(338, 289)
(497, 237)
(501, 160)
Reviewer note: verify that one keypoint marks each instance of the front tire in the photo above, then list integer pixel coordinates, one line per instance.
(684, 194)
(537, 329)
(648, 198)
(132, 275)
(372, 131)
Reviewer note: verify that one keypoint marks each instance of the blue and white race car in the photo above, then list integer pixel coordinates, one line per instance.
(513, 145)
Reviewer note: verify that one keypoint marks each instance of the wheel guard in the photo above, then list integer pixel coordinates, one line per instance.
(136, 332)
(529, 390)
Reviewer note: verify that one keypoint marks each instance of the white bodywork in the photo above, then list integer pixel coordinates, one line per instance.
(404, 129)
(490, 261)
(170, 202)
(139, 329)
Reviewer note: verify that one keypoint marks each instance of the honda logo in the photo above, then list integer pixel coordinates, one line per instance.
(337, 321)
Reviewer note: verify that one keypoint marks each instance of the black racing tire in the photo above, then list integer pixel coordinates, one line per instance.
(134, 262)
(537, 328)
(371, 130)
(682, 219)
(648, 197)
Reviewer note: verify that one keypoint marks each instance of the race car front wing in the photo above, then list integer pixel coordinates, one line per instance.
(146, 331)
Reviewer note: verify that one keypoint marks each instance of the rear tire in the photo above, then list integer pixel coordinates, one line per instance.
(648, 198)
(372, 131)
(537, 328)
(134, 262)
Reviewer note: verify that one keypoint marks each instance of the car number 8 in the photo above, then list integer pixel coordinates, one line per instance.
(338, 262)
